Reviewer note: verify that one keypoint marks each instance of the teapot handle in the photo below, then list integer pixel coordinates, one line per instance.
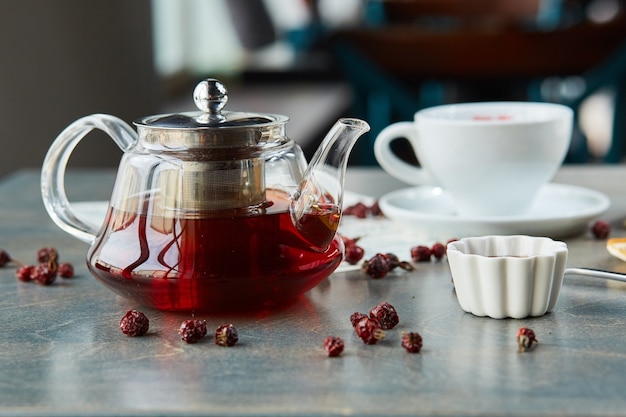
(53, 170)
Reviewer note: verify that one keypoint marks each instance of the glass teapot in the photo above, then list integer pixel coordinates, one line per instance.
(211, 210)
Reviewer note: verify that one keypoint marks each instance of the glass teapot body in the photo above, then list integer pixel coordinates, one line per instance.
(214, 211)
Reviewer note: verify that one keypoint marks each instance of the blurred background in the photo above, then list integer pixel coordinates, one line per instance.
(312, 60)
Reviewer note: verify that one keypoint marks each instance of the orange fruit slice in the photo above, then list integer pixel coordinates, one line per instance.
(617, 247)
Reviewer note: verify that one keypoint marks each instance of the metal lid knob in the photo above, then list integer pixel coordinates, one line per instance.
(210, 96)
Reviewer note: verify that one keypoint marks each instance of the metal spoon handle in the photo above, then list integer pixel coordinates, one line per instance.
(597, 273)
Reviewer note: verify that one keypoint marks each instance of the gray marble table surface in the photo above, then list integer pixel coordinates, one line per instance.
(62, 353)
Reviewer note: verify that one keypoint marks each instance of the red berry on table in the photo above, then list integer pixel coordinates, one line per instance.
(134, 323)
(226, 335)
(375, 209)
(377, 266)
(359, 210)
(355, 317)
(525, 338)
(47, 254)
(191, 331)
(23, 273)
(412, 342)
(386, 315)
(66, 270)
(394, 261)
(438, 250)
(354, 253)
(42, 274)
(421, 253)
(333, 345)
(369, 331)
(601, 229)
(5, 258)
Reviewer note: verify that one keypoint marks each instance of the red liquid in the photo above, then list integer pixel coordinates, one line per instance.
(220, 263)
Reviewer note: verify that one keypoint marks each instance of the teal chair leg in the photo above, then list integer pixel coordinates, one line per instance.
(378, 115)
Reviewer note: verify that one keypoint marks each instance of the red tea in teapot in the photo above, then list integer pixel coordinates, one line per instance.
(216, 263)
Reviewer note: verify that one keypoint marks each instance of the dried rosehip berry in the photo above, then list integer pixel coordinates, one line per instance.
(375, 209)
(226, 335)
(355, 317)
(134, 323)
(394, 262)
(333, 345)
(66, 270)
(359, 210)
(438, 250)
(378, 266)
(421, 253)
(191, 331)
(354, 253)
(42, 274)
(601, 229)
(47, 254)
(369, 331)
(386, 315)
(412, 342)
(24, 272)
(5, 258)
(525, 338)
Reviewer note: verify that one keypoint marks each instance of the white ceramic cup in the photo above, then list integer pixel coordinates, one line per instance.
(491, 157)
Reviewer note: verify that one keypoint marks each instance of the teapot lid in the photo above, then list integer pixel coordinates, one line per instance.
(210, 96)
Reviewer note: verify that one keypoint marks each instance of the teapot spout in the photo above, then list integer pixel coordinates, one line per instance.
(316, 206)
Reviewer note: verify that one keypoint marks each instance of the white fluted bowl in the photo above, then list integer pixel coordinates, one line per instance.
(507, 276)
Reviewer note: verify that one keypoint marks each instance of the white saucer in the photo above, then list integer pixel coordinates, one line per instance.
(559, 211)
